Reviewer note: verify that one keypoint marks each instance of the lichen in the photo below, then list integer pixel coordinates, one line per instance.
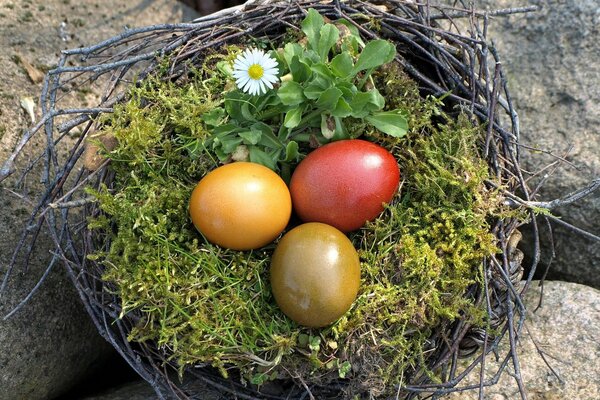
(206, 304)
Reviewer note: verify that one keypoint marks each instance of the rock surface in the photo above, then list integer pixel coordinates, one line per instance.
(140, 390)
(51, 343)
(552, 60)
(566, 329)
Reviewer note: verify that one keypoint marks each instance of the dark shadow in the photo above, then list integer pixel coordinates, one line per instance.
(111, 373)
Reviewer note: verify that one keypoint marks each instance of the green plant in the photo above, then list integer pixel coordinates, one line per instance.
(327, 82)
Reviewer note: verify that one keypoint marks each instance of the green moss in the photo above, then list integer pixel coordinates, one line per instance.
(205, 304)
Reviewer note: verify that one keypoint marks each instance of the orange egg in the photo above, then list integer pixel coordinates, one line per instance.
(241, 206)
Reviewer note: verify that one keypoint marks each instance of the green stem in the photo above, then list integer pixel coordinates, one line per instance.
(364, 78)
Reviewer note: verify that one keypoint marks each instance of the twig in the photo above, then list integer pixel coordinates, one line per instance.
(73, 203)
(569, 198)
(495, 13)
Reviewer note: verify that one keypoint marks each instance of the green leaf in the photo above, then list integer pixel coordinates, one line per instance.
(263, 102)
(225, 68)
(229, 143)
(290, 50)
(233, 105)
(223, 130)
(268, 138)
(291, 151)
(311, 26)
(342, 65)
(342, 109)
(293, 117)
(259, 379)
(353, 30)
(260, 157)
(375, 53)
(323, 70)
(328, 37)
(251, 137)
(390, 122)
(348, 89)
(248, 111)
(213, 117)
(344, 368)
(365, 103)
(290, 93)
(314, 89)
(300, 70)
(329, 98)
(314, 343)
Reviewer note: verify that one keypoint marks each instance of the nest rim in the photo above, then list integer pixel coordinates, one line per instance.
(501, 152)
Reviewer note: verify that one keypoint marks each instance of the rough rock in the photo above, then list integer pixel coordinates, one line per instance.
(552, 60)
(566, 330)
(140, 390)
(51, 343)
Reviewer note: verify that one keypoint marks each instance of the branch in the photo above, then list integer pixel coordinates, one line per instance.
(572, 197)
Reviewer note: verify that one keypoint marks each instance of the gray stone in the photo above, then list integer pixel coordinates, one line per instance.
(141, 390)
(566, 329)
(552, 60)
(51, 344)
(138, 390)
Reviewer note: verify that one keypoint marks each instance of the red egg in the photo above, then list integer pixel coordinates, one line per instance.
(344, 184)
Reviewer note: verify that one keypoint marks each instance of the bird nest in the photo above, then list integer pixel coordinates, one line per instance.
(444, 54)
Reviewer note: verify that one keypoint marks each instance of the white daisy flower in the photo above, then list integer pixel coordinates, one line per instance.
(254, 71)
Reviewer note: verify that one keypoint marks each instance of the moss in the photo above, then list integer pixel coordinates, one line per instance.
(205, 304)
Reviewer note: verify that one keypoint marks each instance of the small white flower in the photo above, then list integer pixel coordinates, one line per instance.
(254, 71)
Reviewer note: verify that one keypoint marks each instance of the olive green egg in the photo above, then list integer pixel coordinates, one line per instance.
(315, 274)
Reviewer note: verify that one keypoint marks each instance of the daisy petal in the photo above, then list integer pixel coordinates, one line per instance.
(247, 86)
(242, 81)
(269, 63)
(263, 89)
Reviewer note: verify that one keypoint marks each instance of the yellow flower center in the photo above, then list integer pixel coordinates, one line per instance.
(256, 71)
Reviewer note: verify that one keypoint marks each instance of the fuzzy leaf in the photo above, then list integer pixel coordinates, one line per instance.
(290, 93)
(389, 122)
(293, 117)
(353, 30)
(260, 157)
(213, 117)
(300, 70)
(323, 71)
(328, 37)
(313, 91)
(268, 138)
(342, 109)
(365, 103)
(251, 137)
(290, 50)
(291, 151)
(329, 98)
(375, 53)
(311, 26)
(342, 65)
